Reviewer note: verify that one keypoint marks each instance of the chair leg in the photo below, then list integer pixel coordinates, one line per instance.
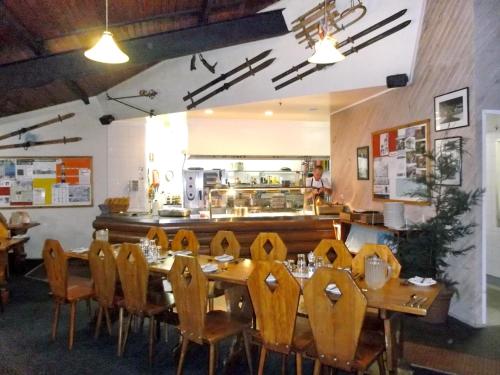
(127, 330)
(99, 322)
(210, 304)
(152, 323)
(317, 367)
(284, 358)
(120, 333)
(72, 319)
(248, 350)
(55, 320)
(298, 361)
(184, 348)
(166, 332)
(381, 365)
(108, 321)
(211, 363)
(262, 360)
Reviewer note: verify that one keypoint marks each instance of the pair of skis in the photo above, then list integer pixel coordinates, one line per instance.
(254, 65)
(29, 144)
(353, 49)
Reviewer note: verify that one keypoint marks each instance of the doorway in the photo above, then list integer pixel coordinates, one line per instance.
(491, 216)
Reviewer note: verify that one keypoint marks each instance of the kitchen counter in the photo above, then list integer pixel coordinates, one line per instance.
(300, 233)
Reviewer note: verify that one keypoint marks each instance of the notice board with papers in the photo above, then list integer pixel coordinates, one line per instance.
(64, 181)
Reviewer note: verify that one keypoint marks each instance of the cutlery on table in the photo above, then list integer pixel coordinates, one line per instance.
(411, 300)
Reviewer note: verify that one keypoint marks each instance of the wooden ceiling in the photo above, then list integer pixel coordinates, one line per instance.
(34, 30)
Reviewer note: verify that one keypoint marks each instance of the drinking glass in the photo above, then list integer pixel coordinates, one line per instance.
(311, 257)
(301, 263)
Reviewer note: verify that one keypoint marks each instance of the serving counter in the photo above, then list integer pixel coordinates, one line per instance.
(301, 234)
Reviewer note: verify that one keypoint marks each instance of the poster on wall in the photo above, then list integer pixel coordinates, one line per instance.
(46, 181)
(398, 160)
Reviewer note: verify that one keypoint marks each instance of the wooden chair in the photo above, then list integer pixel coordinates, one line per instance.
(104, 274)
(64, 289)
(275, 306)
(268, 246)
(225, 242)
(186, 240)
(134, 274)
(382, 251)
(339, 339)
(159, 235)
(190, 287)
(334, 252)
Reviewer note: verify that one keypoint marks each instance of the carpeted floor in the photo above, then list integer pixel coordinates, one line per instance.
(25, 346)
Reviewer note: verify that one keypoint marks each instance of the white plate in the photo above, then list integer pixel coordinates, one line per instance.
(421, 281)
(224, 258)
(183, 252)
(209, 268)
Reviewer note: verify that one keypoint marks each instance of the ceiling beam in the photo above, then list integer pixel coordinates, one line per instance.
(146, 50)
(78, 91)
(23, 35)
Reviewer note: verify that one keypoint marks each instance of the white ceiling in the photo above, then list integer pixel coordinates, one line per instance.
(302, 108)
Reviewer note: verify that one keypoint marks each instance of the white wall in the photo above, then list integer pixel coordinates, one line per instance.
(127, 161)
(257, 137)
(72, 226)
(492, 195)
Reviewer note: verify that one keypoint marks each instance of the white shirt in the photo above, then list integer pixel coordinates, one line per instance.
(322, 182)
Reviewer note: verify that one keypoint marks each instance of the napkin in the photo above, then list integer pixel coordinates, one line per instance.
(82, 249)
(209, 267)
(224, 258)
(332, 288)
(302, 275)
(183, 252)
(422, 281)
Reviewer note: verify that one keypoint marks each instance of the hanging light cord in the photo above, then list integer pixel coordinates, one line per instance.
(106, 15)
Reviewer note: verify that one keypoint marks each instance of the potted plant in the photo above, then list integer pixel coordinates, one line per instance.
(430, 243)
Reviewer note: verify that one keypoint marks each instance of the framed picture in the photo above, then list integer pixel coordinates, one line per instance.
(451, 110)
(449, 152)
(363, 158)
(398, 162)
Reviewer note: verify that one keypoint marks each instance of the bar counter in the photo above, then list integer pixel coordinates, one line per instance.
(301, 234)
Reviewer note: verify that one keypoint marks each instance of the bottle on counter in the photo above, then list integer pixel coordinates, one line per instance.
(155, 208)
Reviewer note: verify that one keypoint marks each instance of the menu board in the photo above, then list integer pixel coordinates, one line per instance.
(398, 158)
(45, 181)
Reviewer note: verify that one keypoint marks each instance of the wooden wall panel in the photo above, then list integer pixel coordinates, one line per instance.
(444, 63)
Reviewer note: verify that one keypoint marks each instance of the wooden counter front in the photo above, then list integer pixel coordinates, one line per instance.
(301, 234)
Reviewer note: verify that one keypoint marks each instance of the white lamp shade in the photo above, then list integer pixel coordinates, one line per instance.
(106, 51)
(325, 52)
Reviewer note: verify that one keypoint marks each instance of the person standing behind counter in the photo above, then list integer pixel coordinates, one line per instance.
(321, 186)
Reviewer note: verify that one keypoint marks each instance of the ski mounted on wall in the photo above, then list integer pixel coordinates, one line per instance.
(348, 40)
(249, 64)
(27, 145)
(22, 131)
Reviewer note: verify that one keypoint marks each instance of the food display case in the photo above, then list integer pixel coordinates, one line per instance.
(258, 202)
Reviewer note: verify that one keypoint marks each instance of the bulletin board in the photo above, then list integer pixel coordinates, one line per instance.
(46, 181)
(398, 158)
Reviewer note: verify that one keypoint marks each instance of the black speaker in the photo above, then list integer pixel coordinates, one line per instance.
(397, 80)
(106, 119)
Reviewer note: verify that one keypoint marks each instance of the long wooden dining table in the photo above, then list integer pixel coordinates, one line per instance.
(390, 300)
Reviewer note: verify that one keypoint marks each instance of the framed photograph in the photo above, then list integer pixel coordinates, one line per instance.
(363, 157)
(449, 152)
(451, 110)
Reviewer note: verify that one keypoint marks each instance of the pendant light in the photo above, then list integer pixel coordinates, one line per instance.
(325, 51)
(106, 50)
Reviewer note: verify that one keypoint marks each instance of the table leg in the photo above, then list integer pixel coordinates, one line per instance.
(392, 333)
(3, 267)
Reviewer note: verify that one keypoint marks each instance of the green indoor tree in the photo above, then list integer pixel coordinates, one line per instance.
(425, 251)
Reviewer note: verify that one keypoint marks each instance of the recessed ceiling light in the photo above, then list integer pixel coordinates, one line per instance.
(268, 113)
(313, 109)
(209, 111)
